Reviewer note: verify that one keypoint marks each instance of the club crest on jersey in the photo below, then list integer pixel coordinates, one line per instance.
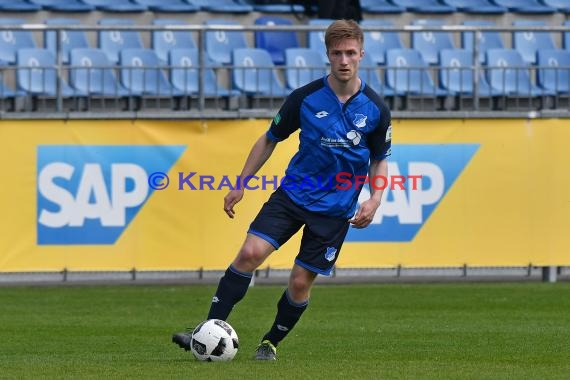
(360, 120)
(330, 254)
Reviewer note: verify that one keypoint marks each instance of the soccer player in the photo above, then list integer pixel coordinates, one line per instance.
(345, 128)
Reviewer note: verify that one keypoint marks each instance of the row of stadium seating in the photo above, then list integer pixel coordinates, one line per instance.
(252, 74)
(218, 45)
(169, 68)
(247, 6)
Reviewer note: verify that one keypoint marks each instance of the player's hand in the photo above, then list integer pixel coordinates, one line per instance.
(230, 200)
(365, 214)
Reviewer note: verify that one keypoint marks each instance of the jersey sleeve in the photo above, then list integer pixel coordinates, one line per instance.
(380, 140)
(287, 119)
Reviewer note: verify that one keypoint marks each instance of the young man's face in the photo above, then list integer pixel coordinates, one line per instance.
(344, 57)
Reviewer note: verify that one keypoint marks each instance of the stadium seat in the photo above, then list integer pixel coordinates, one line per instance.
(316, 38)
(254, 73)
(561, 5)
(11, 41)
(116, 6)
(554, 70)
(476, 6)
(408, 73)
(185, 75)
(165, 40)
(74, 6)
(69, 39)
(525, 6)
(114, 41)
(169, 6)
(222, 6)
(376, 43)
(510, 75)
(425, 6)
(37, 76)
(275, 42)
(18, 6)
(486, 39)
(528, 42)
(97, 77)
(380, 7)
(458, 76)
(141, 73)
(220, 43)
(370, 75)
(429, 43)
(303, 65)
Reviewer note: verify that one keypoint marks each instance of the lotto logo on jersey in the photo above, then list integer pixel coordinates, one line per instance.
(88, 194)
(404, 211)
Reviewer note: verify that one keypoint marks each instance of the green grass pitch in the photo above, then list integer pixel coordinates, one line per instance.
(395, 331)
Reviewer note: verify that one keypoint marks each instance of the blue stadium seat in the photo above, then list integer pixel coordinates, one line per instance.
(11, 41)
(425, 6)
(528, 42)
(69, 39)
(303, 65)
(275, 42)
(376, 43)
(458, 76)
(37, 76)
(510, 75)
(429, 43)
(561, 5)
(525, 6)
(380, 7)
(486, 39)
(114, 41)
(169, 6)
(165, 40)
(116, 6)
(97, 78)
(408, 73)
(141, 73)
(185, 75)
(316, 38)
(18, 6)
(476, 6)
(220, 43)
(369, 74)
(254, 73)
(74, 6)
(554, 70)
(222, 6)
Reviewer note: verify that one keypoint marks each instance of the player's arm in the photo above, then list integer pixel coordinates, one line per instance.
(258, 155)
(367, 210)
(380, 145)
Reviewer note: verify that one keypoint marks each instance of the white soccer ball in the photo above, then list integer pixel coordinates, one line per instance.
(214, 340)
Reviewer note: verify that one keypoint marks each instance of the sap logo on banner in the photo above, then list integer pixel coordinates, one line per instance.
(404, 212)
(88, 194)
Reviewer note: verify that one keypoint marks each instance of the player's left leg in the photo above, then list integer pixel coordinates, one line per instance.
(290, 307)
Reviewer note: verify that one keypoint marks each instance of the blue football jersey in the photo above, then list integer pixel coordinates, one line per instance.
(336, 140)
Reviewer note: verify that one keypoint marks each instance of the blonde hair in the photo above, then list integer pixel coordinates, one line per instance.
(343, 29)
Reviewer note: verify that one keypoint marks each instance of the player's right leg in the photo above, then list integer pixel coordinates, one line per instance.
(234, 283)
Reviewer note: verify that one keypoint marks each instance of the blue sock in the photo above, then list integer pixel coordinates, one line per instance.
(231, 289)
(288, 314)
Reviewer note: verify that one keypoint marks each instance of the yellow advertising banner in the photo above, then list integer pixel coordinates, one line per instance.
(118, 195)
